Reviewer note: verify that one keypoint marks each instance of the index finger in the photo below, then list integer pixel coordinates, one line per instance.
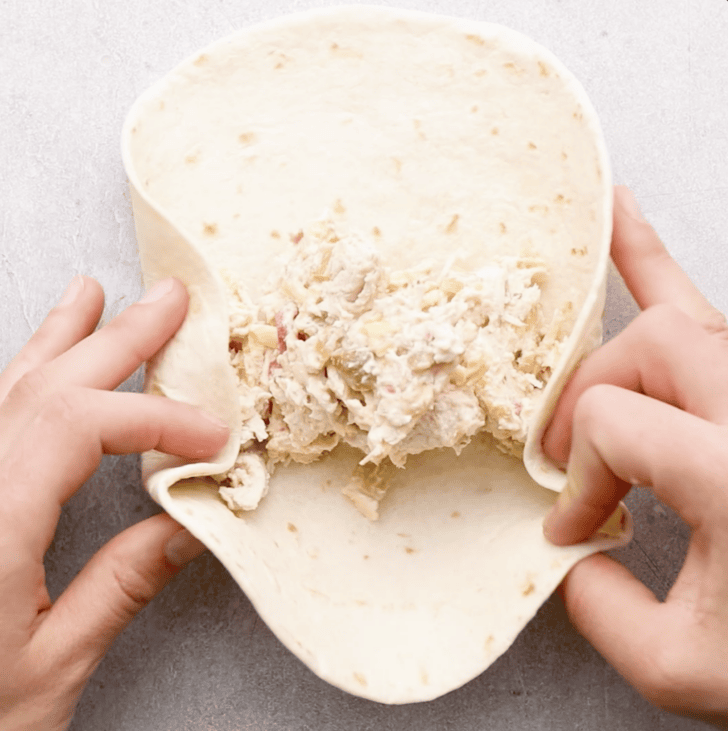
(664, 354)
(651, 274)
(63, 444)
(623, 439)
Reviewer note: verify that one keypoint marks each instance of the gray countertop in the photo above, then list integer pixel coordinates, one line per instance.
(198, 657)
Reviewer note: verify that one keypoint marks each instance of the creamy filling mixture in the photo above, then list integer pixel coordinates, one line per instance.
(343, 349)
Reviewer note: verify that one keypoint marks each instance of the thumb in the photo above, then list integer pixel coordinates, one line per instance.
(118, 582)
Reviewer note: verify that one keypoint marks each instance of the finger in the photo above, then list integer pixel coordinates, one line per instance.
(649, 271)
(618, 615)
(118, 582)
(69, 322)
(64, 443)
(109, 356)
(665, 354)
(102, 360)
(623, 439)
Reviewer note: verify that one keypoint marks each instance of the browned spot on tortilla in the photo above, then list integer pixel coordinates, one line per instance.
(362, 603)
(344, 51)
(365, 557)
(532, 146)
(201, 59)
(513, 67)
(559, 198)
(503, 227)
(538, 207)
(543, 68)
(564, 156)
(452, 227)
(489, 643)
(161, 106)
(209, 228)
(481, 72)
(474, 108)
(397, 164)
(408, 549)
(583, 251)
(133, 130)
(403, 535)
(528, 588)
(376, 231)
(473, 38)
(494, 131)
(292, 528)
(339, 206)
(455, 514)
(275, 235)
(190, 159)
(245, 138)
(578, 115)
(360, 679)
(424, 678)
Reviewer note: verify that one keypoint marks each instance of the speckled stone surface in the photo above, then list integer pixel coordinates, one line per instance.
(198, 657)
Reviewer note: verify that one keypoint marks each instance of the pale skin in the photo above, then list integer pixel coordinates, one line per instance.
(649, 408)
(56, 393)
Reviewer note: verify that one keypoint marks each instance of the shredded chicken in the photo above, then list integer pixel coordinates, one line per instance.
(342, 349)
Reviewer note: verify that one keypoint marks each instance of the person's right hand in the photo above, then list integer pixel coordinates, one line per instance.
(651, 408)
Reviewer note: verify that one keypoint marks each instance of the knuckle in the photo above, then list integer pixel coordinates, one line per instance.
(134, 589)
(660, 323)
(714, 321)
(32, 387)
(592, 405)
(665, 679)
(130, 332)
(65, 407)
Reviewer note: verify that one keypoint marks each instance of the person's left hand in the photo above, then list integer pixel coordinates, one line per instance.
(57, 418)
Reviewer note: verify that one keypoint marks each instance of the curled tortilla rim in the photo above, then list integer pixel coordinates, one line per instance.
(376, 610)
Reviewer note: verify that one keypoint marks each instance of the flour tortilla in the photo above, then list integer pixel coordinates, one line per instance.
(441, 134)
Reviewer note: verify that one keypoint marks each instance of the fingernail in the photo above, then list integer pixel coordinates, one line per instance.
(182, 547)
(159, 290)
(629, 204)
(72, 291)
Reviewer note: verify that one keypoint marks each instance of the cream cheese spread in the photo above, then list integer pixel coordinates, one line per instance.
(343, 349)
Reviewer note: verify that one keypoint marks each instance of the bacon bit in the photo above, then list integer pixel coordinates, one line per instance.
(268, 410)
(389, 389)
(274, 365)
(302, 336)
(282, 332)
(235, 346)
(297, 237)
(517, 407)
